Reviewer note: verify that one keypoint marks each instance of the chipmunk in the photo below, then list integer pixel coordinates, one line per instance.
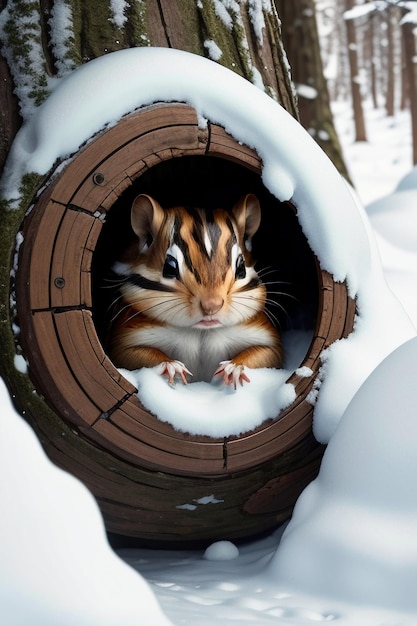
(191, 302)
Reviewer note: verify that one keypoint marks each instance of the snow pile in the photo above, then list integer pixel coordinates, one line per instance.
(214, 409)
(409, 181)
(353, 532)
(397, 240)
(56, 565)
(221, 410)
(221, 551)
(294, 168)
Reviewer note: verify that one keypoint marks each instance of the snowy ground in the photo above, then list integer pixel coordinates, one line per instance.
(375, 166)
(241, 589)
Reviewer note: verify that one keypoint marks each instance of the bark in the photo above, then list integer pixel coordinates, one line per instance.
(411, 73)
(358, 114)
(372, 58)
(9, 116)
(390, 88)
(405, 95)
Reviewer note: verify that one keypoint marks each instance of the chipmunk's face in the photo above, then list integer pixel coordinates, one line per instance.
(194, 268)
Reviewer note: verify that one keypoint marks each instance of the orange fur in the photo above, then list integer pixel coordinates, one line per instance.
(192, 295)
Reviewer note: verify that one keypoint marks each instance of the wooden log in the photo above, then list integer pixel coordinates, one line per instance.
(148, 477)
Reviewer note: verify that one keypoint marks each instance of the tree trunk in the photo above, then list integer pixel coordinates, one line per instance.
(390, 63)
(411, 72)
(359, 119)
(405, 92)
(372, 60)
(301, 41)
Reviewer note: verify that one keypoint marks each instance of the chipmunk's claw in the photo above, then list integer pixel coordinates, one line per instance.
(171, 369)
(232, 373)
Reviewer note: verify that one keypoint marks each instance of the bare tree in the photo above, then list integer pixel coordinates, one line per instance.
(411, 74)
(390, 63)
(358, 113)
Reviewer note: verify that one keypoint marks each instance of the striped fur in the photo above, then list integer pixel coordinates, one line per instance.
(190, 293)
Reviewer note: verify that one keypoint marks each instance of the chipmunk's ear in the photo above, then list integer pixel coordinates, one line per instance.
(247, 213)
(146, 219)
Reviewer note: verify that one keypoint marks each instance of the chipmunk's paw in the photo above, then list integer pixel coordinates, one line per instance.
(232, 373)
(171, 369)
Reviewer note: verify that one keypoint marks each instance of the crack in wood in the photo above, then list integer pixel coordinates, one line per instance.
(164, 23)
(105, 415)
(63, 309)
(225, 453)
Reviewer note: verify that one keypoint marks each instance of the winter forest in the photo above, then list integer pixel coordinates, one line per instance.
(368, 50)
(257, 493)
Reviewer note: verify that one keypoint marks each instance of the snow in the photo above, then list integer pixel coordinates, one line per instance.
(211, 499)
(213, 50)
(221, 410)
(256, 13)
(332, 220)
(221, 551)
(306, 91)
(382, 176)
(353, 532)
(222, 8)
(349, 554)
(411, 16)
(56, 564)
(118, 8)
(397, 243)
(61, 35)
(409, 181)
(377, 165)
(20, 363)
(363, 10)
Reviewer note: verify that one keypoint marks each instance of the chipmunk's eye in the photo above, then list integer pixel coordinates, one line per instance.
(170, 269)
(240, 267)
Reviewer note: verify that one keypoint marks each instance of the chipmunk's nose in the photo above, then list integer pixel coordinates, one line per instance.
(210, 305)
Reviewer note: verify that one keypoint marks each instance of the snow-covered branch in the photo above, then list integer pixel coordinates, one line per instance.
(382, 5)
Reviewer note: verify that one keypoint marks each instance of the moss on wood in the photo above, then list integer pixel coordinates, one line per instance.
(22, 34)
(10, 220)
(136, 31)
(95, 33)
(229, 38)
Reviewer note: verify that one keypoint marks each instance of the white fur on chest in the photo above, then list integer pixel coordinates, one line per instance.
(201, 350)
